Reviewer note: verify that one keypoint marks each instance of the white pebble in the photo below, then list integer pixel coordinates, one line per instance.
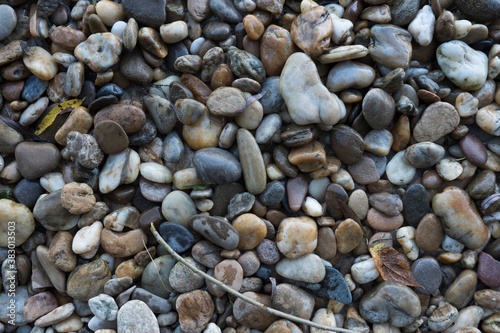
(174, 32)
(462, 28)
(335, 9)
(52, 181)
(344, 179)
(212, 328)
(274, 172)
(312, 207)
(87, 239)
(364, 270)
(399, 171)
(118, 28)
(422, 26)
(449, 169)
(452, 245)
(406, 238)
(34, 111)
(155, 172)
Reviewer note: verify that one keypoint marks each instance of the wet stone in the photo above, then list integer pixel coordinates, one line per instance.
(177, 236)
(215, 230)
(216, 166)
(415, 204)
(427, 273)
(273, 193)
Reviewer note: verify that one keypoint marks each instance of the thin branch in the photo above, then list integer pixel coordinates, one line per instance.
(241, 296)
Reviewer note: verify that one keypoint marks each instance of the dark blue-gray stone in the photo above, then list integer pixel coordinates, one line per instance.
(427, 272)
(415, 204)
(145, 135)
(239, 204)
(88, 93)
(173, 148)
(102, 102)
(33, 89)
(177, 236)
(174, 51)
(479, 10)
(403, 11)
(110, 89)
(225, 10)
(264, 272)
(216, 166)
(224, 193)
(27, 192)
(151, 13)
(273, 193)
(333, 287)
(272, 101)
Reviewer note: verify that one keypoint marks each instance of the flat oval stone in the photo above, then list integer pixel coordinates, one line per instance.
(216, 230)
(378, 108)
(349, 74)
(461, 291)
(34, 88)
(460, 219)
(252, 163)
(136, 315)
(35, 159)
(415, 204)
(424, 154)
(429, 234)
(488, 270)
(178, 207)
(19, 215)
(275, 48)
(40, 63)
(308, 268)
(50, 213)
(111, 137)
(347, 144)
(177, 236)
(399, 171)
(129, 117)
(473, 149)
(245, 64)
(427, 273)
(391, 46)
(122, 168)
(216, 166)
(333, 287)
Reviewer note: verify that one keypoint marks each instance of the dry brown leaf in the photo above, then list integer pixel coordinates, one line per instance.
(392, 266)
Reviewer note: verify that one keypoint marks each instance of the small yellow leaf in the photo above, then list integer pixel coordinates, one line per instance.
(51, 116)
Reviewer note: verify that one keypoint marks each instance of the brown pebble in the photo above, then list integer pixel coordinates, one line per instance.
(77, 198)
(111, 137)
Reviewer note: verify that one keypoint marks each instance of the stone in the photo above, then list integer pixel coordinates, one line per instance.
(391, 45)
(195, 310)
(134, 68)
(349, 74)
(135, 315)
(390, 302)
(40, 63)
(488, 269)
(460, 219)
(230, 273)
(305, 91)
(334, 287)
(104, 307)
(9, 19)
(119, 169)
(364, 171)
(216, 166)
(378, 108)
(123, 244)
(183, 279)
(178, 207)
(348, 236)
(88, 280)
(15, 217)
(111, 137)
(429, 233)
(403, 11)
(246, 65)
(225, 11)
(154, 302)
(36, 159)
(87, 240)
(215, 230)
(293, 300)
(461, 291)
(38, 305)
(275, 48)
(84, 149)
(482, 11)
(311, 30)
(77, 198)
(19, 298)
(251, 316)
(283, 325)
(443, 317)
(252, 163)
(251, 230)
(49, 212)
(422, 26)
(149, 280)
(297, 236)
(55, 316)
(415, 204)
(130, 117)
(347, 144)
(308, 268)
(60, 252)
(100, 51)
(177, 236)
(464, 66)
(309, 157)
(427, 273)
(473, 149)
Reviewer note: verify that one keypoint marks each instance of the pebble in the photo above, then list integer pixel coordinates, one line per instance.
(111, 137)
(60, 252)
(488, 269)
(349, 74)
(216, 230)
(122, 168)
(293, 300)
(77, 198)
(429, 234)
(275, 48)
(347, 144)
(427, 273)
(448, 169)
(251, 230)
(251, 316)
(468, 73)
(155, 303)
(38, 305)
(130, 117)
(311, 29)
(135, 315)
(461, 291)
(459, 217)
(55, 316)
(422, 26)
(390, 302)
(216, 166)
(392, 45)
(49, 212)
(252, 164)
(297, 236)
(177, 236)
(308, 93)
(308, 268)
(100, 51)
(36, 159)
(399, 171)
(88, 280)
(195, 310)
(24, 222)
(104, 307)
(424, 155)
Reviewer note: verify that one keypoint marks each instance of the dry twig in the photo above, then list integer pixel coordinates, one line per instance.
(241, 296)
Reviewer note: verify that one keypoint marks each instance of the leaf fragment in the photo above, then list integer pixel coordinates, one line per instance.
(51, 116)
(392, 266)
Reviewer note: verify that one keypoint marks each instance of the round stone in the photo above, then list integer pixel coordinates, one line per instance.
(77, 198)
(251, 230)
